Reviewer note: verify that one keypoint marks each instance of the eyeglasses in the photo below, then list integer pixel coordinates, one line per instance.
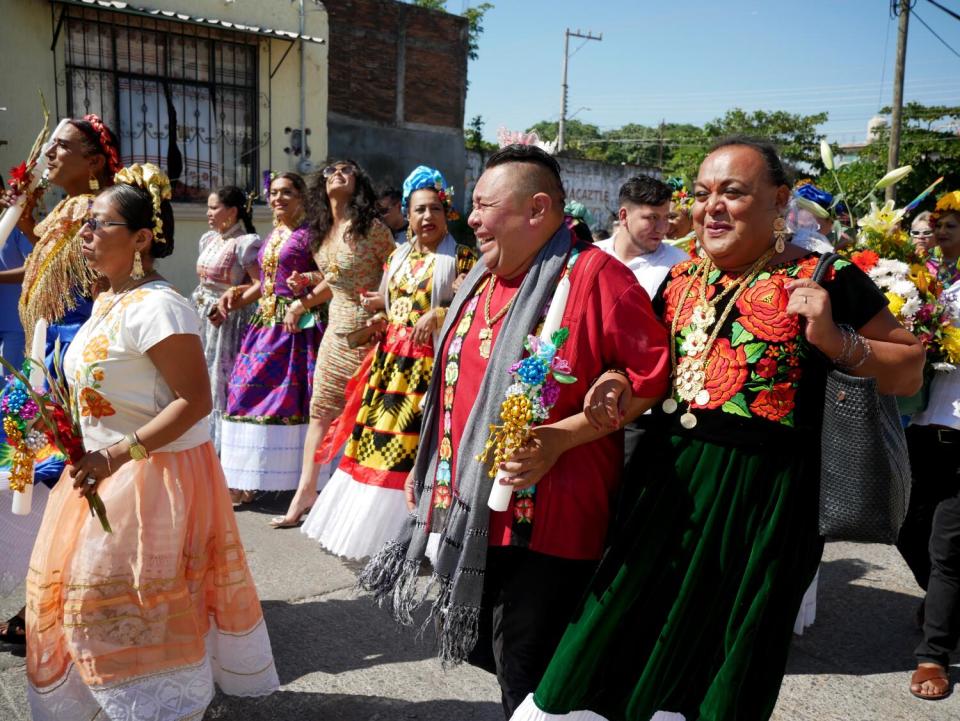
(96, 225)
(921, 233)
(344, 170)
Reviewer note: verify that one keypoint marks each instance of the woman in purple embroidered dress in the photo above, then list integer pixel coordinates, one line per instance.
(268, 396)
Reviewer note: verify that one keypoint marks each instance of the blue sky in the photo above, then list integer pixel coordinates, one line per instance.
(691, 61)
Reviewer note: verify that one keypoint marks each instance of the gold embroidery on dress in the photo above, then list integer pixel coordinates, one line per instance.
(55, 272)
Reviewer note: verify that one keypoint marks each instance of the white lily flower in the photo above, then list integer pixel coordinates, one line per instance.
(826, 155)
(894, 176)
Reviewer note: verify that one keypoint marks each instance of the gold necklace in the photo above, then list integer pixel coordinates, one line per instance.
(486, 333)
(689, 375)
(271, 262)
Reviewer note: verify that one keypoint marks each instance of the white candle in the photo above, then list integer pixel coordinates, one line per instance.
(38, 353)
(10, 218)
(22, 501)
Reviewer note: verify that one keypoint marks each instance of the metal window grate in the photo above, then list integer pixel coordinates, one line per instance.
(179, 95)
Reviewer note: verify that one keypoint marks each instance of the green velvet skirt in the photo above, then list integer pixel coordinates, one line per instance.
(693, 606)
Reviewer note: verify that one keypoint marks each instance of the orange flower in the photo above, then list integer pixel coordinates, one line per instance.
(671, 298)
(865, 260)
(807, 266)
(726, 372)
(764, 309)
(94, 405)
(774, 404)
(96, 349)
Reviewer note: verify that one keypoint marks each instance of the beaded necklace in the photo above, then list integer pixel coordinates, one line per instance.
(689, 375)
(269, 266)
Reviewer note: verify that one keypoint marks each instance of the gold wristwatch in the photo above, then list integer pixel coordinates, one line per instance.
(137, 450)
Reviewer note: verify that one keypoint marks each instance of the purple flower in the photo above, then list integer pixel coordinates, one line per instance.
(550, 393)
(561, 365)
(29, 410)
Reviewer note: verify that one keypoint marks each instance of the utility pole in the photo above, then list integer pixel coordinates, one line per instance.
(893, 154)
(561, 131)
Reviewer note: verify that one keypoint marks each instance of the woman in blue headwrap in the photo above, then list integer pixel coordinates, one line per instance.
(362, 506)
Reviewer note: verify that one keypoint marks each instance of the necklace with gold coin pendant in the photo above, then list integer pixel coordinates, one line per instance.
(486, 333)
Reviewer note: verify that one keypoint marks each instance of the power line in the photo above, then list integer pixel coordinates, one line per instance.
(934, 32)
(948, 11)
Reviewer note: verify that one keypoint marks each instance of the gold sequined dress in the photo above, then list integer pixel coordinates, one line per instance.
(350, 267)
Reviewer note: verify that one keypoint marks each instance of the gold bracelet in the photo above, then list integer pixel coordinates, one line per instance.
(441, 314)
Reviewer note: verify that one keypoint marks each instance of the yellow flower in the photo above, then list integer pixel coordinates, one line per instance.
(894, 302)
(921, 277)
(951, 343)
(882, 220)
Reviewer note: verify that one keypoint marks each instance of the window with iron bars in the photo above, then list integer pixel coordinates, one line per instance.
(178, 95)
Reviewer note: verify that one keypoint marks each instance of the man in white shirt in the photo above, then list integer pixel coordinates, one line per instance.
(638, 240)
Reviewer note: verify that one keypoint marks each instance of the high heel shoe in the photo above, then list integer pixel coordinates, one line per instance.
(283, 522)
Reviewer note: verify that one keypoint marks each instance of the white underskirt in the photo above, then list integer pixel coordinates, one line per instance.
(257, 457)
(18, 534)
(808, 607)
(528, 711)
(353, 519)
(240, 664)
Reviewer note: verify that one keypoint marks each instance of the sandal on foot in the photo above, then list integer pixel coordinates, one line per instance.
(15, 632)
(284, 522)
(936, 674)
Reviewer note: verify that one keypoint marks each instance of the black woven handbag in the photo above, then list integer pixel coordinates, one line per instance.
(865, 469)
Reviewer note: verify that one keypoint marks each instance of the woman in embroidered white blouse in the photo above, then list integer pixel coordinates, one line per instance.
(165, 602)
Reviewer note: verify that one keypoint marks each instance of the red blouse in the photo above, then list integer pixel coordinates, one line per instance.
(612, 325)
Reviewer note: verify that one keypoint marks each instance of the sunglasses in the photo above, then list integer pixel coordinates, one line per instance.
(96, 225)
(344, 170)
(921, 233)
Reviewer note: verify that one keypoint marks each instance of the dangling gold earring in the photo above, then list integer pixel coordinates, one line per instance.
(137, 272)
(94, 183)
(780, 234)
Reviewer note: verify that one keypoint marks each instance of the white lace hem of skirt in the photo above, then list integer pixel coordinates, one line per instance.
(354, 519)
(528, 711)
(240, 664)
(260, 457)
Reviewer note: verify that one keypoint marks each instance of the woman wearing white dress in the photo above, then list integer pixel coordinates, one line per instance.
(141, 622)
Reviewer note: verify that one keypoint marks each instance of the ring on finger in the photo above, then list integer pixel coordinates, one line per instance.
(91, 481)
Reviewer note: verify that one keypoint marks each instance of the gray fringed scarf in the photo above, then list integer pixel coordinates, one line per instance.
(462, 557)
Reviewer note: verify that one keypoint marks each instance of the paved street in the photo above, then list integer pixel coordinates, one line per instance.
(341, 659)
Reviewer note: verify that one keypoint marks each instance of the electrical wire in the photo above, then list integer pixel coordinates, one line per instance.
(948, 11)
(934, 33)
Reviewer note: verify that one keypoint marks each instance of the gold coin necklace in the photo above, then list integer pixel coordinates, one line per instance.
(486, 333)
(689, 374)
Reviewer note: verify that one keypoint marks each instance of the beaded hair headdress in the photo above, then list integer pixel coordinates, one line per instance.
(150, 178)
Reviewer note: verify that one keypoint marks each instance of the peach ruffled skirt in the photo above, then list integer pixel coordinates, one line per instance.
(140, 623)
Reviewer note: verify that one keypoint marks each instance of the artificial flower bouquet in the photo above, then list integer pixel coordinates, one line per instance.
(34, 418)
(529, 399)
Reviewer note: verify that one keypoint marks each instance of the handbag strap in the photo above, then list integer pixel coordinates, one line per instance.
(823, 265)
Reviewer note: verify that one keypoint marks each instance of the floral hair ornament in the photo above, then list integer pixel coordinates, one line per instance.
(268, 177)
(150, 178)
(947, 203)
(681, 196)
(426, 177)
(248, 205)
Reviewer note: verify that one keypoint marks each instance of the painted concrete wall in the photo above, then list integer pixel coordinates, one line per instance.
(594, 184)
(388, 154)
(26, 39)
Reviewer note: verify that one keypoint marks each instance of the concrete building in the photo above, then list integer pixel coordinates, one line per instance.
(214, 92)
(398, 84)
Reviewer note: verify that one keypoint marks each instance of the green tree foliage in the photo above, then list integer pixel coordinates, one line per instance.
(474, 16)
(473, 137)
(929, 141)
